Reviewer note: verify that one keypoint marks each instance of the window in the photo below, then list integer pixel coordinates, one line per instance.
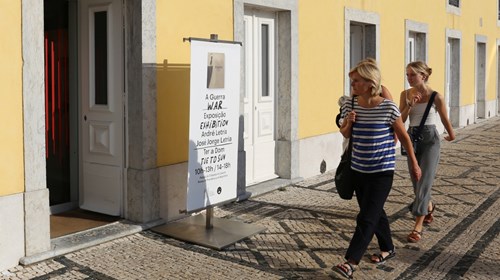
(362, 38)
(455, 3)
(100, 58)
(498, 10)
(453, 7)
(416, 42)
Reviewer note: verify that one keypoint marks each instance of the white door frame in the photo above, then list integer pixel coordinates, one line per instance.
(480, 76)
(259, 108)
(453, 70)
(498, 78)
(287, 142)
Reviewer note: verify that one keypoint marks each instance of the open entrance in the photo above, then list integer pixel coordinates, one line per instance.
(452, 96)
(63, 105)
(480, 79)
(60, 105)
(498, 75)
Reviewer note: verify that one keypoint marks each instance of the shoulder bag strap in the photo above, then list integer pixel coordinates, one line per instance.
(426, 113)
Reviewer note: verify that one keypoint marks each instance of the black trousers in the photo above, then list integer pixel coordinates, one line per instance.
(372, 191)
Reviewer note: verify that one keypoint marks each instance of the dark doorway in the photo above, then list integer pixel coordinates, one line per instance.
(57, 109)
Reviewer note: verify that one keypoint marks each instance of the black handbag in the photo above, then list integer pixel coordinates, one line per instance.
(414, 133)
(344, 177)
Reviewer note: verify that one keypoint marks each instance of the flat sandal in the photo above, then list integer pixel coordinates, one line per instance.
(429, 218)
(414, 236)
(381, 259)
(346, 269)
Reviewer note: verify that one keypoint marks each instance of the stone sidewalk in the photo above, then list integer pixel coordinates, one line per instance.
(309, 227)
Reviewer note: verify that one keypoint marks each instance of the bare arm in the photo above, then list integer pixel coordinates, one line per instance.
(443, 114)
(403, 107)
(400, 131)
(346, 127)
(386, 93)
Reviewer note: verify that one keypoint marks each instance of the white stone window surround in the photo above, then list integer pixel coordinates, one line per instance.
(453, 9)
(418, 27)
(480, 100)
(457, 115)
(362, 17)
(498, 13)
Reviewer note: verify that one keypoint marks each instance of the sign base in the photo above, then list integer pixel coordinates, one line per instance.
(223, 233)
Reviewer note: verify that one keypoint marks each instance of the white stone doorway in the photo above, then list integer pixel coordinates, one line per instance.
(259, 99)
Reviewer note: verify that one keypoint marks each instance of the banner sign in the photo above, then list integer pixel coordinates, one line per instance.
(213, 123)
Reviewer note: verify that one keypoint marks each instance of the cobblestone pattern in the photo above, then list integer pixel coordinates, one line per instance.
(309, 228)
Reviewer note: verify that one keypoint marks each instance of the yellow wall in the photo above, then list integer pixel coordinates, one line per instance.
(321, 56)
(11, 134)
(177, 20)
(321, 51)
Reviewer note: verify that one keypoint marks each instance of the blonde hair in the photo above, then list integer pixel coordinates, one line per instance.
(370, 72)
(420, 67)
(370, 60)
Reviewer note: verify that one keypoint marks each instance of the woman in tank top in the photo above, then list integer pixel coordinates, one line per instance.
(413, 103)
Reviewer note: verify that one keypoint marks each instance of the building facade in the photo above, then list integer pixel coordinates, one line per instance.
(96, 94)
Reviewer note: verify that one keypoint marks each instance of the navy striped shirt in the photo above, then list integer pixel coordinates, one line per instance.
(373, 147)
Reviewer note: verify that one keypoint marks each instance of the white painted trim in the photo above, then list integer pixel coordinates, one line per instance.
(315, 150)
(11, 235)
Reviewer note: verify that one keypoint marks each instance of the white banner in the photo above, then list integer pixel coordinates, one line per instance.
(213, 123)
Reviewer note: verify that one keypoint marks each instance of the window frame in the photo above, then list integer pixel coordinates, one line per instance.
(452, 9)
(359, 17)
(417, 28)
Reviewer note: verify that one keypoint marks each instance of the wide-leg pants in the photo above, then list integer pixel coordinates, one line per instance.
(428, 153)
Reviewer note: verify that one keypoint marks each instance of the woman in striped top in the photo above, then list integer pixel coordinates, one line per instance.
(373, 120)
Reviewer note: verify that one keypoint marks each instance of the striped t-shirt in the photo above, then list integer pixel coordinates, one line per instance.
(373, 147)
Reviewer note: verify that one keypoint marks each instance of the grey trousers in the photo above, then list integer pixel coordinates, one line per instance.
(428, 153)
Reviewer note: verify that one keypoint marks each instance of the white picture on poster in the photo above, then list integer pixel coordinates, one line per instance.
(213, 124)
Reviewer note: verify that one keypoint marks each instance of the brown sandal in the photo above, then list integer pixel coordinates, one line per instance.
(429, 218)
(414, 236)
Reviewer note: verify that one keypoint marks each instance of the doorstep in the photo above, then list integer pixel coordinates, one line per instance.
(88, 238)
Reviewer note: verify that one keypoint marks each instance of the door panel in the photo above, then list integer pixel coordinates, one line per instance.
(101, 90)
(259, 96)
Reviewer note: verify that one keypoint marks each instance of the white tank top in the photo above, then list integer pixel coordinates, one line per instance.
(417, 112)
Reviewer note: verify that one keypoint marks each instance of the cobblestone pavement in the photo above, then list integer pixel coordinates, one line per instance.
(309, 227)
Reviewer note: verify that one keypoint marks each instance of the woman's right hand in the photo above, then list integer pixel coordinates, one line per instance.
(415, 99)
(416, 172)
(351, 117)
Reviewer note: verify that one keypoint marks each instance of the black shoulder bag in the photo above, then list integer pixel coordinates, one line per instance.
(344, 179)
(414, 134)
